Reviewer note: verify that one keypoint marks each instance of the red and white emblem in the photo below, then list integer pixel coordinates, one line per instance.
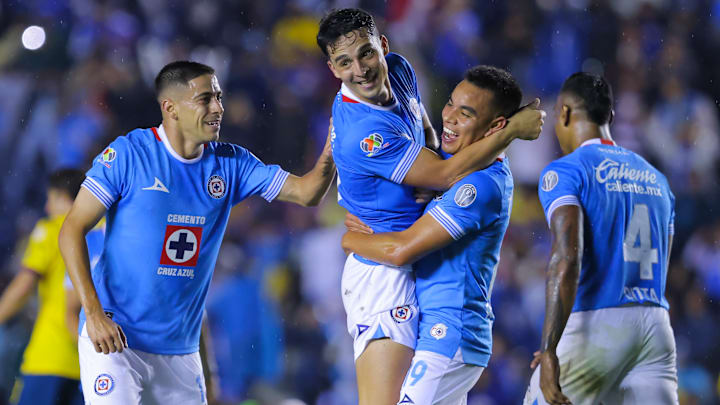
(181, 245)
(216, 186)
(402, 314)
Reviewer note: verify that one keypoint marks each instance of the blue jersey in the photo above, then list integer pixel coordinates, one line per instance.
(374, 148)
(165, 222)
(628, 216)
(454, 284)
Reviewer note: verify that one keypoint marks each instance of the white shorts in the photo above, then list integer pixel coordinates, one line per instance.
(434, 379)
(134, 377)
(620, 355)
(380, 303)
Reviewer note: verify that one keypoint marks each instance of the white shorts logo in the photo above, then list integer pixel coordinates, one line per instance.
(402, 314)
(549, 180)
(465, 195)
(216, 186)
(438, 331)
(104, 384)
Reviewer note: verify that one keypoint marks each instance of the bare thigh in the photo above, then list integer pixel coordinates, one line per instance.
(381, 369)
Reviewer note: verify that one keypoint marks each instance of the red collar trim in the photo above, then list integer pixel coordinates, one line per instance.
(349, 100)
(156, 134)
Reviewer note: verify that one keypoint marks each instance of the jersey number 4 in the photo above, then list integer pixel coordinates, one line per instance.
(644, 254)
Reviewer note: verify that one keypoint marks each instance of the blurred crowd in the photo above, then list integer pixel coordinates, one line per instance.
(274, 307)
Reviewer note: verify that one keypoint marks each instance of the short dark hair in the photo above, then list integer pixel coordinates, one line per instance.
(505, 89)
(341, 22)
(180, 72)
(67, 181)
(595, 93)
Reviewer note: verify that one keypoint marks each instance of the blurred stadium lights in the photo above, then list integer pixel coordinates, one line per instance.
(33, 37)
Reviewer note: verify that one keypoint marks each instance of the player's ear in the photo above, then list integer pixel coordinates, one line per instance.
(496, 125)
(384, 44)
(565, 112)
(332, 69)
(168, 108)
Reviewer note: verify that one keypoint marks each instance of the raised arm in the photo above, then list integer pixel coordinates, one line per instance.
(86, 211)
(399, 248)
(431, 139)
(311, 188)
(430, 171)
(563, 272)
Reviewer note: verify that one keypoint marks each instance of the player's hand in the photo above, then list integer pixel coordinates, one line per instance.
(106, 336)
(550, 378)
(354, 224)
(527, 122)
(423, 196)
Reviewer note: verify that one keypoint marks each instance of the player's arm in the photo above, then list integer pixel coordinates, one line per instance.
(72, 311)
(311, 188)
(85, 213)
(431, 139)
(17, 293)
(432, 172)
(399, 248)
(563, 273)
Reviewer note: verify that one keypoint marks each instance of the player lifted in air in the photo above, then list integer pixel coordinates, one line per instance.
(460, 232)
(607, 335)
(380, 132)
(167, 193)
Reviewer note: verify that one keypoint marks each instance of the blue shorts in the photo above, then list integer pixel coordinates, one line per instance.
(50, 390)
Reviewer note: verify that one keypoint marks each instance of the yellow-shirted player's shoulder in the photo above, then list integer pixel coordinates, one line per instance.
(46, 227)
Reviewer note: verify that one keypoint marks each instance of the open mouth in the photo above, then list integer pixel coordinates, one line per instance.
(449, 135)
(368, 83)
(214, 124)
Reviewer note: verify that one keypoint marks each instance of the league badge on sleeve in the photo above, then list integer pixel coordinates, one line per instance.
(371, 144)
(549, 180)
(465, 195)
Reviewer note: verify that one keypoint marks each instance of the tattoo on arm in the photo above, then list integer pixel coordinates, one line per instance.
(562, 273)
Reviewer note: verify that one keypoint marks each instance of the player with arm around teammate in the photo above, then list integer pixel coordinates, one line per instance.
(167, 194)
(381, 129)
(607, 335)
(457, 242)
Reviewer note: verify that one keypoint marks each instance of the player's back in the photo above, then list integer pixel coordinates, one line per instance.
(454, 284)
(374, 148)
(628, 217)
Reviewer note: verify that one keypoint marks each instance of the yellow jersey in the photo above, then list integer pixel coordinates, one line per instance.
(52, 350)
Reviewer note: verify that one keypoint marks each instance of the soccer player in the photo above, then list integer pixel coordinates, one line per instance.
(607, 335)
(380, 128)
(167, 193)
(50, 367)
(463, 228)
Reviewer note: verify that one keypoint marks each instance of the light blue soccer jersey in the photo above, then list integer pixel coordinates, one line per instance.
(454, 284)
(374, 148)
(628, 216)
(165, 222)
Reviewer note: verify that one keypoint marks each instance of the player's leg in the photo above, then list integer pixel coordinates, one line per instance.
(381, 369)
(434, 379)
(109, 379)
(176, 379)
(41, 389)
(653, 380)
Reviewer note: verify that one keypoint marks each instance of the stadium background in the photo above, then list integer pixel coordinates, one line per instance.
(274, 306)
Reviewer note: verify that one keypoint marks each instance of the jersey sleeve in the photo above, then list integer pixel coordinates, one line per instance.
(671, 224)
(255, 177)
(470, 205)
(109, 177)
(41, 249)
(381, 151)
(559, 185)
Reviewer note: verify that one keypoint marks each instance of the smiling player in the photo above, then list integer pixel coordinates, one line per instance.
(167, 193)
